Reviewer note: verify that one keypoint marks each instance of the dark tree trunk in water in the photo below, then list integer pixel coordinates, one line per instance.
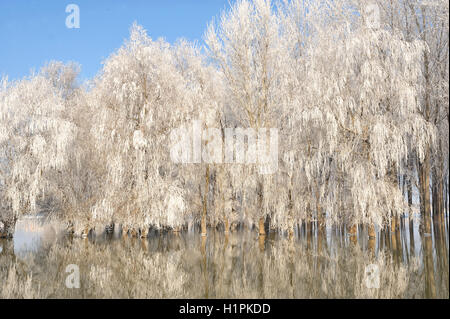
(438, 202)
(260, 192)
(7, 231)
(205, 202)
(430, 284)
(205, 266)
(387, 237)
(411, 220)
(398, 238)
(425, 205)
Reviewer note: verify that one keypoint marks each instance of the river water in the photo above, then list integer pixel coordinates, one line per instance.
(40, 262)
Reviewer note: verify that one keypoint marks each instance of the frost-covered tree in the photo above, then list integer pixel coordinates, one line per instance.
(360, 108)
(427, 22)
(368, 82)
(246, 47)
(34, 139)
(146, 90)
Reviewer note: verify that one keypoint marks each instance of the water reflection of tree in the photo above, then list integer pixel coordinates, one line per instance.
(232, 266)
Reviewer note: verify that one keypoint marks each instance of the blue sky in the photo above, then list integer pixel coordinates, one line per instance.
(34, 32)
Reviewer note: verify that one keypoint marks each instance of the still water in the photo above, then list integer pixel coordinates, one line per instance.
(312, 264)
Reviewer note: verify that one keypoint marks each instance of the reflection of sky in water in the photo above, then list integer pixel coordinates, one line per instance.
(25, 241)
(32, 231)
(228, 267)
(28, 234)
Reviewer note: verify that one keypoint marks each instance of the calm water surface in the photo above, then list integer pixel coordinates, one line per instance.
(313, 264)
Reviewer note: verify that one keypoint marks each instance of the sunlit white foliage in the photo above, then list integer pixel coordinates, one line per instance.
(359, 110)
(34, 141)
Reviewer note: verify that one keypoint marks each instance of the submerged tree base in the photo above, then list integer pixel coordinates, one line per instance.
(237, 264)
(7, 230)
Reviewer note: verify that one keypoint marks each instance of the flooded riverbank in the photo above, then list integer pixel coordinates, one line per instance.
(312, 264)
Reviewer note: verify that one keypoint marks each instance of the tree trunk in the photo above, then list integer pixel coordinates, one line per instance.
(372, 239)
(410, 214)
(226, 225)
(261, 241)
(430, 284)
(352, 230)
(262, 231)
(144, 232)
(205, 202)
(398, 239)
(411, 235)
(387, 237)
(291, 233)
(441, 202)
(8, 229)
(205, 266)
(394, 237)
(436, 201)
(124, 231)
(371, 231)
(203, 225)
(85, 232)
(425, 207)
(133, 233)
